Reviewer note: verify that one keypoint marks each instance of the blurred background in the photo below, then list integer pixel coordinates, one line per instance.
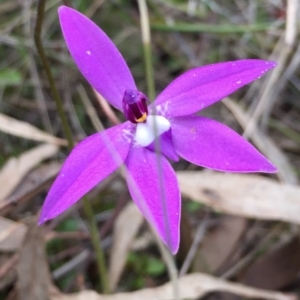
(236, 228)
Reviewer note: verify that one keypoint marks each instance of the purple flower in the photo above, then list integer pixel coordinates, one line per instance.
(170, 119)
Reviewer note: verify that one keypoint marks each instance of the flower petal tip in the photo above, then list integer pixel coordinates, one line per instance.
(174, 249)
(42, 219)
(63, 9)
(264, 166)
(206, 85)
(270, 169)
(171, 238)
(267, 168)
(96, 56)
(160, 206)
(47, 215)
(172, 241)
(271, 64)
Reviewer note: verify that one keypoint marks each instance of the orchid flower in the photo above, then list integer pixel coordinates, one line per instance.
(170, 122)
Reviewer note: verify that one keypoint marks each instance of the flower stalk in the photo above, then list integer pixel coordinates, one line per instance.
(146, 38)
(87, 207)
(95, 237)
(46, 66)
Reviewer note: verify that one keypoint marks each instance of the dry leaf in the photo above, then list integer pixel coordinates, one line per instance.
(35, 181)
(265, 144)
(37, 177)
(277, 268)
(218, 244)
(242, 194)
(11, 234)
(27, 131)
(192, 286)
(125, 230)
(33, 271)
(16, 168)
(7, 271)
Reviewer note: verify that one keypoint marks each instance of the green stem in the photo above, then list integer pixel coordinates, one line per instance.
(149, 71)
(46, 65)
(211, 28)
(97, 245)
(147, 48)
(151, 93)
(95, 237)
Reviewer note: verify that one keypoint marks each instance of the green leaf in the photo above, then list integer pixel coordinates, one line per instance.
(193, 206)
(68, 225)
(155, 267)
(10, 77)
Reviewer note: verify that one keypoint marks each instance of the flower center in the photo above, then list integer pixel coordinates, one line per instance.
(135, 106)
(148, 131)
(148, 127)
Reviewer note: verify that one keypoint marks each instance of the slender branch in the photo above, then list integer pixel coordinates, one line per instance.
(195, 245)
(146, 38)
(107, 109)
(97, 245)
(46, 65)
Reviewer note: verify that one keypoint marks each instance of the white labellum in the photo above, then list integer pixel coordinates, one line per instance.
(153, 127)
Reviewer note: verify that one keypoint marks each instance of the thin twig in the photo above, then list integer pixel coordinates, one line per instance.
(252, 254)
(89, 108)
(110, 221)
(264, 144)
(172, 270)
(9, 264)
(197, 240)
(269, 95)
(107, 109)
(71, 264)
(93, 7)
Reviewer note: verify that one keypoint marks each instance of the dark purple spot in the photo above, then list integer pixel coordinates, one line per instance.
(135, 106)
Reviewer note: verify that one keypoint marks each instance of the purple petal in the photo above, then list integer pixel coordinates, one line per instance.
(154, 188)
(213, 145)
(96, 56)
(201, 87)
(91, 161)
(165, 146)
